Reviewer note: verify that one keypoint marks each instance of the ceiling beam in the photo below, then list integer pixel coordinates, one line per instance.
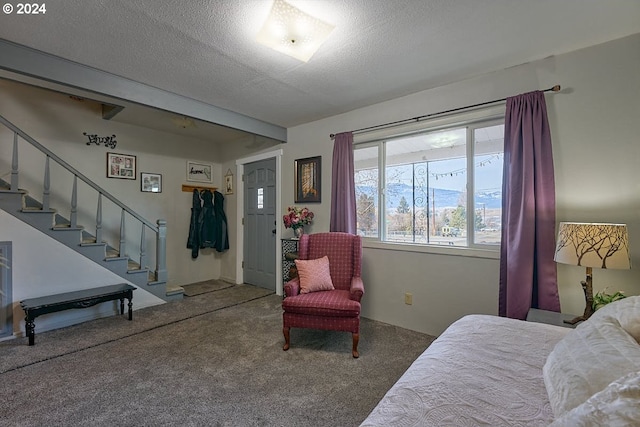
(110, 111)
(24, 60)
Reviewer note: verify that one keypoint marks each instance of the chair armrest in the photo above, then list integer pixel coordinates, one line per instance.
(292, 287)
(357, 289)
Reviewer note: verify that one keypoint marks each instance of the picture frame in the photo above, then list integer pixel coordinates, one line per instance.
(150, 182)
(228, 182)
(199, 172)
(122, 166)
(308, 180)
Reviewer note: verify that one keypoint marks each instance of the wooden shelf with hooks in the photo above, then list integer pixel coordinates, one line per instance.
(187, 188)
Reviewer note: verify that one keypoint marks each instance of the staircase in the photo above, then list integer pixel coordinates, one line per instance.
(41, 216)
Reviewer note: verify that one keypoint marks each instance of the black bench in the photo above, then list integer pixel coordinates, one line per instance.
(34, 307)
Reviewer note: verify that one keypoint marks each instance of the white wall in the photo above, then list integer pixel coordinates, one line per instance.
(596, 152)
(42, 266)
(58, 122)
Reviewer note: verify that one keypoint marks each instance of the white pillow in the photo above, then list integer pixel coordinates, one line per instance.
(618, 405)
(586, 360)
(625, 311)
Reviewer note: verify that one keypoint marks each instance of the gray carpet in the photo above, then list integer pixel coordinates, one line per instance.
(200, 288)
(211, 360)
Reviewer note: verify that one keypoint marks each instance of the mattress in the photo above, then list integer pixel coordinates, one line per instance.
(482, 371)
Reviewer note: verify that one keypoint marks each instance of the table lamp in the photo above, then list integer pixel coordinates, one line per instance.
(592, 245)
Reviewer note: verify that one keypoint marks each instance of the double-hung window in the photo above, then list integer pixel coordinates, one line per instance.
(436, 182)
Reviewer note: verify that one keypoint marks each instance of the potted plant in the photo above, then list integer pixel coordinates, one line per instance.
(297, 218)
(602, 298)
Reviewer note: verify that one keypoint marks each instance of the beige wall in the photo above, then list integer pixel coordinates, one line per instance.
(596, 151)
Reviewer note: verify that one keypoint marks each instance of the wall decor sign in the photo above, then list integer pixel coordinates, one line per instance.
(308, 180)
(150, 182)
(228, 182)
(108, 141)
(199, 172)
(121, 166)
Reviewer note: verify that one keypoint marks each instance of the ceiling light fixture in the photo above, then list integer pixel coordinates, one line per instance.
(293, 32)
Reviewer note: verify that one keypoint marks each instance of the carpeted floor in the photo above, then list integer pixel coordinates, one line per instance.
(199, 288)
(215, 359)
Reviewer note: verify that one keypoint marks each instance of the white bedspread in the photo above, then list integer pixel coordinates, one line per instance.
(483, 370)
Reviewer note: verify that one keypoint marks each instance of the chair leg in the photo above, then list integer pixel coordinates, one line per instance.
(354, 350)
(285, 331)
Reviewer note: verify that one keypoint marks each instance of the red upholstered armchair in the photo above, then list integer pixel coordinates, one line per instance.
(337, 309)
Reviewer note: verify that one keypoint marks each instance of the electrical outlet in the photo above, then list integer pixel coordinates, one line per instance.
(408, 298)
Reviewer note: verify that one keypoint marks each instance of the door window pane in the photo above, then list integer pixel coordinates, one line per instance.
(260, 198)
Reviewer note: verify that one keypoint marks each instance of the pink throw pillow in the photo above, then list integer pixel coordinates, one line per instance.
(314, 275)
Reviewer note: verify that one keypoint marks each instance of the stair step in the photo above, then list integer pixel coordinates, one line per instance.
(89, 242)
(67, 227)
(36, 210)
(143, 271)
(174, 290)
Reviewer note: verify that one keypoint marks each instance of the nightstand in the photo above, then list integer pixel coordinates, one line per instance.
(550, 317)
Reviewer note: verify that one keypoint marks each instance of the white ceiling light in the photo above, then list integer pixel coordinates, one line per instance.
(293, 32)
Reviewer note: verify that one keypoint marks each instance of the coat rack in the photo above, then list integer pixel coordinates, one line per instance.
(189, 188)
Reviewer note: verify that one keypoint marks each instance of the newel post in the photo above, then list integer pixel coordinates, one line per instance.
(161, 251)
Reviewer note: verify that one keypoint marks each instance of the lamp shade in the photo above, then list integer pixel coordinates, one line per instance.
(593, 245)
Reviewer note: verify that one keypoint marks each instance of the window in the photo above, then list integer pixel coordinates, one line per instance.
(417, 189)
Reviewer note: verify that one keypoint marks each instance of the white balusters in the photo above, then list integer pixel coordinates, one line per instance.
(143, 249)
(14, 163)
(99, 220)
(74, 204)
(123, 242)
(46, 186)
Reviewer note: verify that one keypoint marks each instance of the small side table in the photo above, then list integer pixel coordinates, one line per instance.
(289, 255)
(550, 317)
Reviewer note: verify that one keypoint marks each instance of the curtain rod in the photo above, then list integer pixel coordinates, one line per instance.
(555, 88)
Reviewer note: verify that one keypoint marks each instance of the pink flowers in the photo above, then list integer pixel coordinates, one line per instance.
(297, 217)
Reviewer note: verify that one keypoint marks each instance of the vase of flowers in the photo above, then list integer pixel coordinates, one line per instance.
(297, 218)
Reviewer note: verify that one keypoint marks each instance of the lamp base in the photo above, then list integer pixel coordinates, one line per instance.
(587, 288)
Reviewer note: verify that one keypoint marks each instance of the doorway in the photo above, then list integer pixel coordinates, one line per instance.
(260, 226)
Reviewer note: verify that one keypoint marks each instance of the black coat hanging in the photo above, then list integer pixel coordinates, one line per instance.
(193, 242)
(207, 233)
(221, 231)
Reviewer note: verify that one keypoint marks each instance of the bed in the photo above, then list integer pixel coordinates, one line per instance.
(492, 371)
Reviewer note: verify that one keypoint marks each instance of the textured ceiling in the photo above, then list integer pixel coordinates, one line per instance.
(380, 49)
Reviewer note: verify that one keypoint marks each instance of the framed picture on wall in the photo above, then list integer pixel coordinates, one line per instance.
(121, 166)
(228, 182)
(308, 180)
(150, 182)
(199, 172)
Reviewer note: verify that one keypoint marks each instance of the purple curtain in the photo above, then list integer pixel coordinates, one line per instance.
(343, 189)
(527, 271)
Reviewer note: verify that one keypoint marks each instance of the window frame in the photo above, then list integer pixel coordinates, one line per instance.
(470, 120)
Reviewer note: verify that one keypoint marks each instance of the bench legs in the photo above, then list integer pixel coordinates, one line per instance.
(30, 325)
(129, 305)
(30, 330)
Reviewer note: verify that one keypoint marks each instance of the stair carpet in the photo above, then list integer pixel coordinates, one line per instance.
(30, 211)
